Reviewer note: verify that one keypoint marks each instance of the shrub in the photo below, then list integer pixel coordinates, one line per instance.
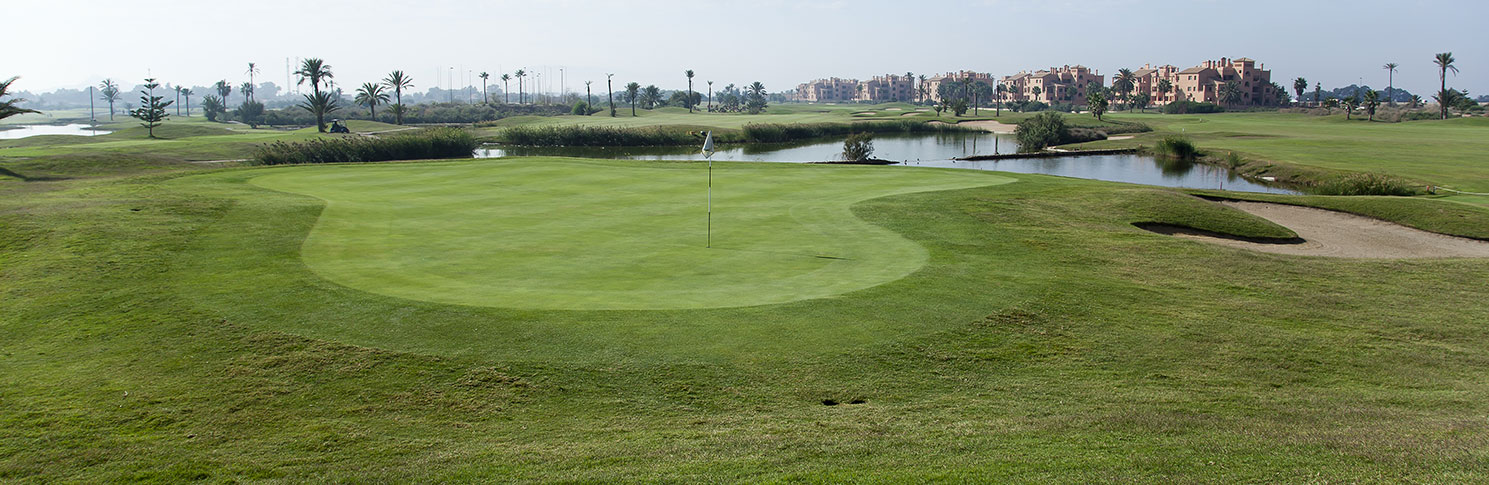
(580, 135)
(1184, 107)
(1365, 184)
(1232, 160)
(1175, 146)
(1041, 131)
(433, 143)
(858, 147)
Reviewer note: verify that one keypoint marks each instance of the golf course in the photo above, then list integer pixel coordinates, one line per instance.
(172, 312)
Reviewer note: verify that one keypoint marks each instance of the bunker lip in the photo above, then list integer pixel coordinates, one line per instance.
(1336, 234)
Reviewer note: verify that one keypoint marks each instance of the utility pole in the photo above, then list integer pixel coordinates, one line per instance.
(91, 118)
(450, 80)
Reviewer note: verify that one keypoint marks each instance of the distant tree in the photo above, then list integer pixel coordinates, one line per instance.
(710, 96)
(981, 91)
(506, 97)
(371, 95)
(1096, 102)
(223, 89)
(1035, 91)
(1164, 86)
(212, 107)
(247, 90)
(610, 94)
(858, 147)
(1390, 68)
(251, 112)
(1282, 98)
(689, 74)
(8, 108)
(178, 99)
(650, 96)
(959, 106)
(1416, 101)
(108, 91)
(485, 98)
(318, 103)
(1141, 100)
(1300, 85)
(1230, 93)
(755, 98)
(1123, 84)
(589, 101)
(520, 74)
(152, 109)
(633, 94)
(1444, 63)
(186, 94)
(1453, 98)
(998, 93)
(923, 89)
(1317, 88)
(1350, 104)
(399, 81)
(1372, 101)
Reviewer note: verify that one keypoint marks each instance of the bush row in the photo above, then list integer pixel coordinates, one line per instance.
(584, 135)
(423, 144)
(779, 133)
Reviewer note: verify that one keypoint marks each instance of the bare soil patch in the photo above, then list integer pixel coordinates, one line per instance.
(1340, 235)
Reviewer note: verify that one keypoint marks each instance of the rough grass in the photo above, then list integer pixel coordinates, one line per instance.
(444, 142)
(1045, 340)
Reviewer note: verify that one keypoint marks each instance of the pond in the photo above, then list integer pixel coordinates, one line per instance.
(23, 131)
(936, 150)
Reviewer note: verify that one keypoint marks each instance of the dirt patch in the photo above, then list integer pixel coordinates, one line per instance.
(1120, 137)
(1340, 235)
(892, 109)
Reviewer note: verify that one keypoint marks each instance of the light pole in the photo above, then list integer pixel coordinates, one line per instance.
(450, 81)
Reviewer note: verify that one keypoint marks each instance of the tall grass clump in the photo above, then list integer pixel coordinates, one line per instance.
(1175, 146)
(780, 133)
(583, 135)
(1041, 131)
(424, 144)
(1365, 184)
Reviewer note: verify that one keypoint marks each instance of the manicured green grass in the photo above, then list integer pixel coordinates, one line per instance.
(1446, 153)
(170, 328)
(587, 235)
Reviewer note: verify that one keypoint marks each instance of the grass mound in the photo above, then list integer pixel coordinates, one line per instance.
(1168, 208)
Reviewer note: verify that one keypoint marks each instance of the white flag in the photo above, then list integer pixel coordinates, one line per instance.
(708, 145)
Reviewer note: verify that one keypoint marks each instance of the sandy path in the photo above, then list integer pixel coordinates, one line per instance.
(1341, 235)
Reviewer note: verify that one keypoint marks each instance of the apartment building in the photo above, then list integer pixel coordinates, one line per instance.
(1202, 83)
(879, 89)
(1065, 84)
(828, 90)
(932, 85)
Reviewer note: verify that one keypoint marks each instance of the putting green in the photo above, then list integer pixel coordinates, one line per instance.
(597, 235)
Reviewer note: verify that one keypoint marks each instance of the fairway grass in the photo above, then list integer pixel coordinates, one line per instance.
(588, 235)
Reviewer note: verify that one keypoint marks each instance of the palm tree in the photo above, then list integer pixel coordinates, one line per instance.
(689, 73)
(315, 71)
(506, 86)
(589, 101)
(710, 96)
(632, 93)
(223, 89)
(921, 88)
(1390, 68)
(399, 82)
(247, 90)
(998, 92)
(485, 98)
(9, 109)
(610, 92)
(1124, 83)
(911, 76)
(252, 69)
(1300, 85)
(370, 95)
(1317, 88)
(178, 100)
(1372, 100)
(108, 90)
(1164, 86)
(1444, 62)
(520, 74)
(186, 93)
(651, 96)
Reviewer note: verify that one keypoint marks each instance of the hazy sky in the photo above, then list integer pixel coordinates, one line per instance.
(67, 43)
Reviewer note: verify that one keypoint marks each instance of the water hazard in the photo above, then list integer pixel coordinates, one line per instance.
(937, 150)
(23, 131)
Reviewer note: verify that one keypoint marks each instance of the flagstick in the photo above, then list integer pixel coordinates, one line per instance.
(709, 242)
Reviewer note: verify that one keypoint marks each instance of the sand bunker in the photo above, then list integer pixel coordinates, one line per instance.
(1341, 235)
(986, 125)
